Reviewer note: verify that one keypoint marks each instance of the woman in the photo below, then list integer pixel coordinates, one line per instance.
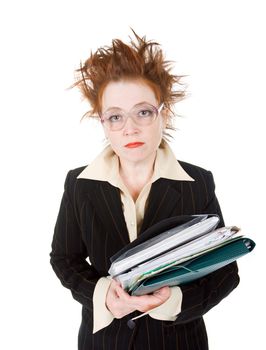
(134, 183)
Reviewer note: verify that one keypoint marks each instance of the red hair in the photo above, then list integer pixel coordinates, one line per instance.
(141, 59)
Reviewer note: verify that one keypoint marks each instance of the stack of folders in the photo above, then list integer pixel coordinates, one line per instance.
(177, 251)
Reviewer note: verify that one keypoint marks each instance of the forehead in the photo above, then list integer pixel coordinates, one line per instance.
(126, 94)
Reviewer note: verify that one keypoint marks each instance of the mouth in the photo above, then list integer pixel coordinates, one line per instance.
(134, 144)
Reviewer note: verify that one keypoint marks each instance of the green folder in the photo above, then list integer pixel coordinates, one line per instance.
(196, 267)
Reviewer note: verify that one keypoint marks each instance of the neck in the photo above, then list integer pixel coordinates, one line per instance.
(137, 170)
(137, 173)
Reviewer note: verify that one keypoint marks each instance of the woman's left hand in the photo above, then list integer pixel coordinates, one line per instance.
(150, 301)
(147, 302)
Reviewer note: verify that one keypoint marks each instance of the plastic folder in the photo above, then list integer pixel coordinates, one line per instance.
(197, 267)
(160, 238)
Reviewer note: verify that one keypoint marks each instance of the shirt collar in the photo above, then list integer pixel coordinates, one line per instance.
(105, 167)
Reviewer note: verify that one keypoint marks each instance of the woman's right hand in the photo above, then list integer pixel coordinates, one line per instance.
(120, 303)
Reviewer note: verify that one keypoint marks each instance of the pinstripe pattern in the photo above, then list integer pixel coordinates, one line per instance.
(159, 206)
(163, 340)
(91, 240)
(90, 223)
(148, 334)
(192, 198)
(177, 341)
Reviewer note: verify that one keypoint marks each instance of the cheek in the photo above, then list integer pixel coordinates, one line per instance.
(113, 140)
(158, 131)
(105, 132)
(155, 138)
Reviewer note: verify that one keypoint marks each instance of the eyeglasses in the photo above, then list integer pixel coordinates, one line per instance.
(143, 114)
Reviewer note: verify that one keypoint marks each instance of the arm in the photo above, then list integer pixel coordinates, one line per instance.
(68, 259)
(169, 310)
(68, 255)
(203, 294)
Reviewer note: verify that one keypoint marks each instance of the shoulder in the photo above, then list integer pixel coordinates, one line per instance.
(72, 174)
(82, 185)
(195, 171)
(77, 189)
(203, 178)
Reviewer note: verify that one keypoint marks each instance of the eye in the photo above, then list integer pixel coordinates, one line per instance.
(145, 113)
(114, 118)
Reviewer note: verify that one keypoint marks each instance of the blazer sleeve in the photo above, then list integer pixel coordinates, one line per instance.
(68, 255)
(203, 294)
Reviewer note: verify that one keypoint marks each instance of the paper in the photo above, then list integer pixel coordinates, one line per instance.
(176, 256)
(172, 248)
(175, 237)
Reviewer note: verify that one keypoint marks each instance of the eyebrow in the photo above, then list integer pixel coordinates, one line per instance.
(121, 109)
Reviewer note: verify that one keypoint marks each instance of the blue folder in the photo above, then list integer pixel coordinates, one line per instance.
(197, 267)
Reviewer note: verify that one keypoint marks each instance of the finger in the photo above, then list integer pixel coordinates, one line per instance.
(116, 283)
(162, 291)
(162, 294)
(121, 293)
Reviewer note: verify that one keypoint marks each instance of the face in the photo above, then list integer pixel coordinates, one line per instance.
(133, 143)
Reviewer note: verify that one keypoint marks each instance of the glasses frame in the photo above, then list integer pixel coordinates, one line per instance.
(128, 115)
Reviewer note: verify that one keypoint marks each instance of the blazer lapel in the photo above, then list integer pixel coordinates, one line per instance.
(163, 202)
(106, 200)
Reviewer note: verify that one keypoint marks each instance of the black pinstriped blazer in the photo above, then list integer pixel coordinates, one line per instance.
(91, 223)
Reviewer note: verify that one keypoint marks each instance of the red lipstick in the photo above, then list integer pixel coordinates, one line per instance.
(134, 144)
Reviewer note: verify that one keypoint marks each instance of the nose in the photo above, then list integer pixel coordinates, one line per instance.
(130, 127)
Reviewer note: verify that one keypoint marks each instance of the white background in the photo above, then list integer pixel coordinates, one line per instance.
(221, 46)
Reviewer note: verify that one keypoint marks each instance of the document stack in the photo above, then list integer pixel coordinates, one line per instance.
(177, 251)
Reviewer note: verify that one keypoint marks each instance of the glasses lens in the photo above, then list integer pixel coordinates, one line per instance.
(144, 114)
(114, 119)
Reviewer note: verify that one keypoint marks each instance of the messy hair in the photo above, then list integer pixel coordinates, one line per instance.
(140, 59)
